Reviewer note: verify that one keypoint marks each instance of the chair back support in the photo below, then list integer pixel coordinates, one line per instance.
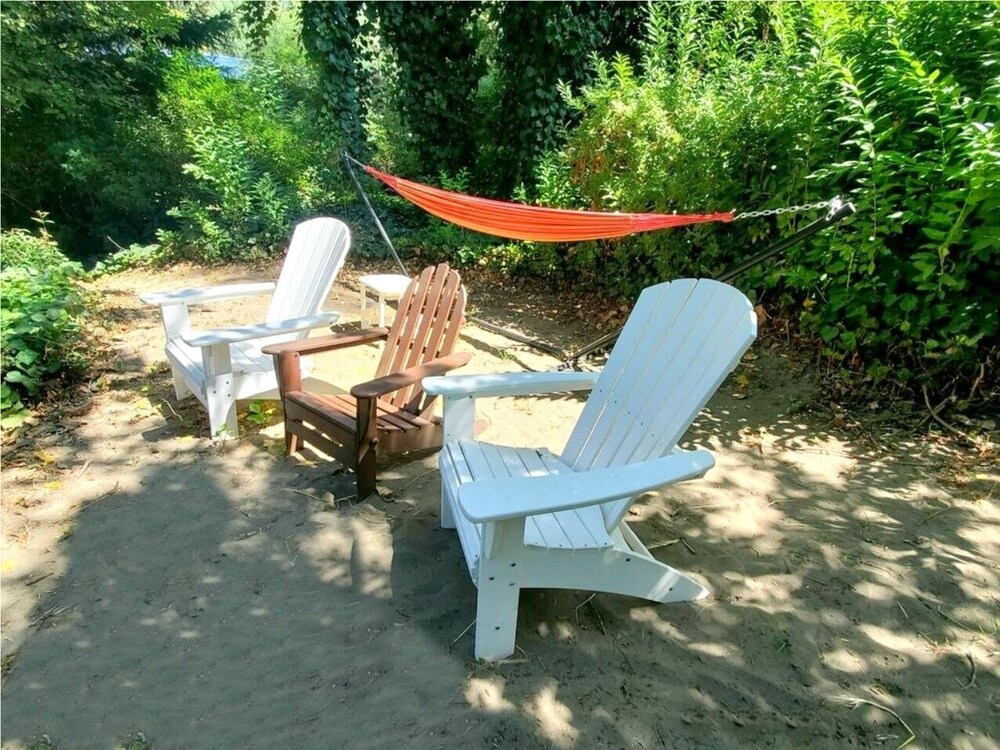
(315, 255)
(680, 342)
(426, 327)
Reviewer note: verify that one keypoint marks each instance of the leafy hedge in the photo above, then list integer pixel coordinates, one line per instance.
(258, 157)
(41, 307)
(892, 106)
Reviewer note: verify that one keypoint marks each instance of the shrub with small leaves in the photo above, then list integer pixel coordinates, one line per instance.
(41, 306)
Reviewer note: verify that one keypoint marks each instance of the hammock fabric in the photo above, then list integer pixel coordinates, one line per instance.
(534, 223)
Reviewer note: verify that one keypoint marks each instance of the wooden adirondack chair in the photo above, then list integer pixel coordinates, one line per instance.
(527, 518)
(390, 414)
(223, 365)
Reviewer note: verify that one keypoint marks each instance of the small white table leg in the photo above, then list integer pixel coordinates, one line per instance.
(381, 309)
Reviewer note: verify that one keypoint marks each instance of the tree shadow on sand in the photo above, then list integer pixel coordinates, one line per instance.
(228, 597)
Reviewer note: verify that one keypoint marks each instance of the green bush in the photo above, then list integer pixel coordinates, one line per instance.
(40, 320)
(752, 105)
(256, 162)
(21, 249)
(81, 140)
(908, 292)
(127, 258)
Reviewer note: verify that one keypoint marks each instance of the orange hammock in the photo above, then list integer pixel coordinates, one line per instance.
(517, 221)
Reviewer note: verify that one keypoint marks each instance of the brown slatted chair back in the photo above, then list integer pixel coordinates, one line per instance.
(427, 322)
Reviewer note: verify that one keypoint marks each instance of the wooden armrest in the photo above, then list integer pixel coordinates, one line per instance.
(403, 378)
(327, 343)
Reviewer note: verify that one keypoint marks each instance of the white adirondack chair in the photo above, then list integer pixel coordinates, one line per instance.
(222, 365)
(527, 518)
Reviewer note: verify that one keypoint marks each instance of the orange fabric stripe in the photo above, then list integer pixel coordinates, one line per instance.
(534, 223)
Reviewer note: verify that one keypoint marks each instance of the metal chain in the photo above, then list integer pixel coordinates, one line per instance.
(833, 203)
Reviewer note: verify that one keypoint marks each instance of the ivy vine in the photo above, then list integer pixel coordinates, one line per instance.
(436, 46)
(328, 33)
(539, 47)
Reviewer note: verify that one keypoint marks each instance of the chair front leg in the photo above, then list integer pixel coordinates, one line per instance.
(288, 367)
(500, 578)
(367, 445)
(219, 392)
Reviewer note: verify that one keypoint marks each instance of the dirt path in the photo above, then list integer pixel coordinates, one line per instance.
(229, 597)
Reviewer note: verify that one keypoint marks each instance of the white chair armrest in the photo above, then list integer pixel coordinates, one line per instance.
(258, 331)
(500, 499)
(509, 384)
(206, 294)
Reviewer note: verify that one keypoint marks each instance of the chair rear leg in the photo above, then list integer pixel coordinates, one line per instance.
(496, 613)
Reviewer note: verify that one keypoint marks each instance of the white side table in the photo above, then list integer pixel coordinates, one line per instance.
(386, 286)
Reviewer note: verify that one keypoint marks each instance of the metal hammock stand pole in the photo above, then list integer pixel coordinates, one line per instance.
(368, 205)
(837, 211)
(492, 327)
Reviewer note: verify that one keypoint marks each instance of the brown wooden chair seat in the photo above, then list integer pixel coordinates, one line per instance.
(392, 413)
(395, 425)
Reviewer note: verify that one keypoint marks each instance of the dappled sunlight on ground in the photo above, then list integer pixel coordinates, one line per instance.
(226, 596)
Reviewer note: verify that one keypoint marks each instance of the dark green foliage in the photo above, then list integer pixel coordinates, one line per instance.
(80, 85)
(761, 105)
(40, 309)
(328, 33)
(437, 74)
(257, 19)
(446, 78)
(543, 49)
(913, 287)
(21, 249)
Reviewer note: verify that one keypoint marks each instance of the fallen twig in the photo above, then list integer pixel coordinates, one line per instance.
(109, 493)
(937, 418)
(972, 678)
(858, 701)
(585, 601)
(657, 545)
(467, 629)
(935, 514)
(949, 618)
(689, 547)
(47, 614)
(172, 409)
(590, 600)
(399, 491)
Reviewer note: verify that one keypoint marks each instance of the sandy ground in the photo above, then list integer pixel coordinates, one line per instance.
(229, 597)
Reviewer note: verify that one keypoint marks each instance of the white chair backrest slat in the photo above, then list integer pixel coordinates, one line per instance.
(315, 255)
(680, 342)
